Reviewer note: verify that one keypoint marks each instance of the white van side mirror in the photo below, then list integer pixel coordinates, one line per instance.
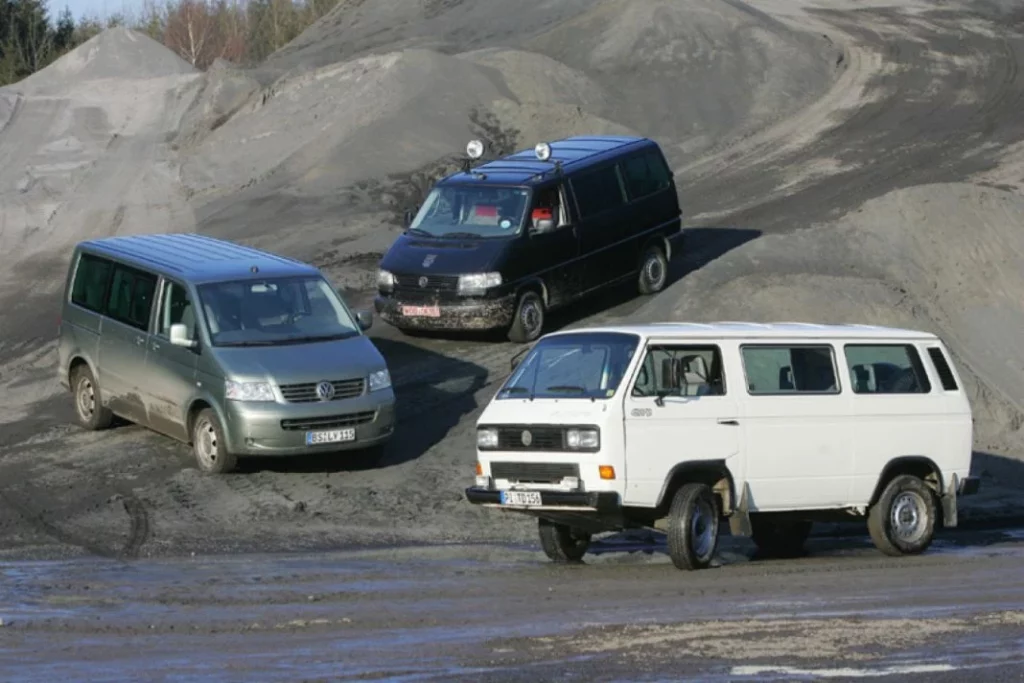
(179, 336)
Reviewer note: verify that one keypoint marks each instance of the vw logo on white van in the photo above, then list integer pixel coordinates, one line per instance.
(526, 437)
(325, 391)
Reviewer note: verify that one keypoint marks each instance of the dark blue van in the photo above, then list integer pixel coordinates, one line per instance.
(499, 245)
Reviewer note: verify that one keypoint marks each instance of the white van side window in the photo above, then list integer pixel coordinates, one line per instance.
(680, 370)
(886, 369)
(942, 367)
(774, 369)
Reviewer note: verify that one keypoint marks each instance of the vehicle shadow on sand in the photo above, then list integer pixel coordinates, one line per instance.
(700, 246)
(433, 393)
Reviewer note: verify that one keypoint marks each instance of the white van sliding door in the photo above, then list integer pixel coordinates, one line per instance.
(797, 427)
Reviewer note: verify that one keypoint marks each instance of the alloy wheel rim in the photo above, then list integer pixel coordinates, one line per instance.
(654, 272)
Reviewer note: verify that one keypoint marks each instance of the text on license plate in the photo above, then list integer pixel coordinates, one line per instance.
(330, 436)
(424, 311)
(520, 498)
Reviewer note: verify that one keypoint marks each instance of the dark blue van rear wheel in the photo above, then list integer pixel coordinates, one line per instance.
(653, 270)
(528, 321)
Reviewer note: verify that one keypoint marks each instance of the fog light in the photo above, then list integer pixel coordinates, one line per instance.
(606, 471)
(483, 482)
(570, 483)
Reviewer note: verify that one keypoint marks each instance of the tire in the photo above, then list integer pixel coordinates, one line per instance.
(89, 409)
(693, 527)
(209, 447)
(903, 520)
(780, 539)
(561, 543)
(653, 270)
(528, 322)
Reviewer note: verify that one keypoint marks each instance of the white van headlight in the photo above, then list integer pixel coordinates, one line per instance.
(487, 438)
(478, 283)
(583, 439)
(379, 380)
(248, 391)
(385, 280)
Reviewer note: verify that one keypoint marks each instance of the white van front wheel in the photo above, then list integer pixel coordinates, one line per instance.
(561, 543)
(693, 527)
(902, 522)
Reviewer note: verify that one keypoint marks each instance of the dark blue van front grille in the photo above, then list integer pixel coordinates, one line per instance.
(426, 287)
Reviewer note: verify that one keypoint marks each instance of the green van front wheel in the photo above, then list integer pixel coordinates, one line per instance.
(209, 446)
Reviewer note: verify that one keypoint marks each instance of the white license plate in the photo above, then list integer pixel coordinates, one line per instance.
(422, 311)
(520, 498)
(330, 436)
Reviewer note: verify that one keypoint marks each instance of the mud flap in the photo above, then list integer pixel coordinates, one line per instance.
(739, 520)
(949, 516)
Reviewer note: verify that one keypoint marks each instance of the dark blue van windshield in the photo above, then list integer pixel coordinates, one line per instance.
(472, 211)
(576, 365)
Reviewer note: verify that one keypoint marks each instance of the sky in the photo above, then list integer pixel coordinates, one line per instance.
(94, 8)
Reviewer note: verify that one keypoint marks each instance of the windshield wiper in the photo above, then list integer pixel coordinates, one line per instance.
(418, 231)
(517, 390)
(312, 338)
(251, 342)
(566, 387)
(470, 235)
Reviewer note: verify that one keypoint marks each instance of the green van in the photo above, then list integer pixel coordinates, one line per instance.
(233, 350)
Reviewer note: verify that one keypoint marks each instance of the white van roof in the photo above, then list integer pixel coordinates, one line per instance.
(734, 329)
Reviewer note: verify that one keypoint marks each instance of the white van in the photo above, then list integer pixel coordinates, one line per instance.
(772, 426)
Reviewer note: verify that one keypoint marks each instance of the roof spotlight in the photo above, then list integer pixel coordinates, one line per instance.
(475, 149)
(543, 151)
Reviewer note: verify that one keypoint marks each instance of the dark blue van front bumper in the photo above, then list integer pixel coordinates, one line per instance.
(468, 314)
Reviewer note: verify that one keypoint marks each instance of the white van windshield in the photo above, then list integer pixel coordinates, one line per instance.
(472, 211)
(583, 365)
(273, 311)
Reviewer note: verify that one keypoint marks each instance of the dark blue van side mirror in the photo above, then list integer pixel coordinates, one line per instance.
(364, 319)
(408, 217)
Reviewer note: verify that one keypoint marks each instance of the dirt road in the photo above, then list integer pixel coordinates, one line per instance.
(490, 613)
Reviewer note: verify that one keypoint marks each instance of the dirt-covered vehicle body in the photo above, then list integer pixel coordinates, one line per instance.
(234, 350)
(768, 426)
(499, 245)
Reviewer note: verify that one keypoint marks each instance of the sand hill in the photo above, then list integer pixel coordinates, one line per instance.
(829, 158)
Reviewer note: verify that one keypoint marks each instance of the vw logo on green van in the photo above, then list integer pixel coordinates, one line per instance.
(325, 391)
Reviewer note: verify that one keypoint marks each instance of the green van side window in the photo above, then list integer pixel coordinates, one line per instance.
(131, 297)
(90, 286)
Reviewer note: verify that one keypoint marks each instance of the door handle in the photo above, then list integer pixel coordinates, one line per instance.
(140, 340)
(731, 423)
(155, 346)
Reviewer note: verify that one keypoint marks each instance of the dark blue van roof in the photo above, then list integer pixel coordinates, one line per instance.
(196, 258)
(575, 153)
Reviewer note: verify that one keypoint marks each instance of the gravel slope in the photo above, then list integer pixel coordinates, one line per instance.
(829, 164)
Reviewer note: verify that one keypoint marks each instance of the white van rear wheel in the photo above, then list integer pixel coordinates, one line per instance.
(902, 522)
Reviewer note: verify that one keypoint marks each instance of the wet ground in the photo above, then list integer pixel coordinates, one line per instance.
(486, 613)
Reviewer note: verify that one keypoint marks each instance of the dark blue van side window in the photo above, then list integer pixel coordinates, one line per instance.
(131, 297)
(597, 191)
(89, 289)
(645, 174)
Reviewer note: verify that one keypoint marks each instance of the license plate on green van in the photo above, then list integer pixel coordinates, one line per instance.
(330, 436)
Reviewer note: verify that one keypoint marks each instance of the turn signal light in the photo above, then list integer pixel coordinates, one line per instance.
(607, 471)
(479, 469)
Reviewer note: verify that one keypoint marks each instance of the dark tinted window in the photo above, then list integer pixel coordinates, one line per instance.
(131, 296)
(645, 174)
(597, 191)
(886, 369)
(680, 371)
(790, 369)
(942, 367)
(90, 286)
